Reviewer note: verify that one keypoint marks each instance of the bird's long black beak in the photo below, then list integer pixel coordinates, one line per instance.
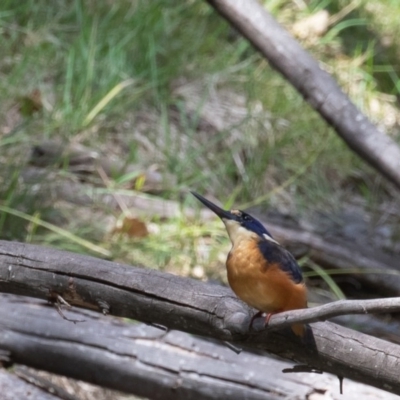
(223, 214)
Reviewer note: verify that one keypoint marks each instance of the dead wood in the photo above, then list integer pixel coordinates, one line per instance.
(148, 361)
(191, 306)
(335, 309)
(316, 85)
(12, 387)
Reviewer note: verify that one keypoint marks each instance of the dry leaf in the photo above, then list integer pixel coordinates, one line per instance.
(132, 227)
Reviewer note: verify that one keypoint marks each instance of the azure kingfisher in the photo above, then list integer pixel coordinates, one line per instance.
(260, 271)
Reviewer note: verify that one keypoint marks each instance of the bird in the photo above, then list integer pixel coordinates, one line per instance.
(260, 271)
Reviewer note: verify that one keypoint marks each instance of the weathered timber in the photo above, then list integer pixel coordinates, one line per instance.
(152, 362)
(12, 387)
(188, 305)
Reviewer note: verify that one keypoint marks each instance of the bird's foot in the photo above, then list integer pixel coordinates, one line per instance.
(267, 318)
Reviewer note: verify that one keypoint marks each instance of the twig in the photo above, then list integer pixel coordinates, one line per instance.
(301, 368)
(234, 348)
(334, 309)
(62, 302)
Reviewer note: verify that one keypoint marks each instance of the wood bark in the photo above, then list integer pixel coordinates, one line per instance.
(149, 361)
(334, 309)
(12, 387)
(192, 306)
(319, 89)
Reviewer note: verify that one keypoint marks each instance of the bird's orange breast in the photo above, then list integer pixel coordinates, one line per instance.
(260, 284)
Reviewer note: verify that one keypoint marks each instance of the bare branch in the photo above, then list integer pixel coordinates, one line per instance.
(315, 84)
(331, 310)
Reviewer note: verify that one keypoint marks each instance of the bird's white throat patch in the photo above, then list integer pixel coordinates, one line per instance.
(236, 232)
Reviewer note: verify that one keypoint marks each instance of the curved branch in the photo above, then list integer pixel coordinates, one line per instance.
(316, 85)
(334, 309)
(188, 305)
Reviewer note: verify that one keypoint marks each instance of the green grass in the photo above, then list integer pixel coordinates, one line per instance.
(101, 66)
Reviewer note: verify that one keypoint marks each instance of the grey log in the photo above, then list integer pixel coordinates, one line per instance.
(150, 362)
(12, 388)
(188, 305)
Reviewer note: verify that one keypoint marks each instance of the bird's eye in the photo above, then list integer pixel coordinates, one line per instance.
(246, 218)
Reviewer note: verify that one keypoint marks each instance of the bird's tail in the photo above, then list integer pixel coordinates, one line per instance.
(305, 334)
(299, 329)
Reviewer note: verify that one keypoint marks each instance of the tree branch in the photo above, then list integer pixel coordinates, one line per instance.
(191, 306)
(317, 86)
(334, 309)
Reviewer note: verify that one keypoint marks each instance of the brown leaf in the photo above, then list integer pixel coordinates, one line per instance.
(132, 226)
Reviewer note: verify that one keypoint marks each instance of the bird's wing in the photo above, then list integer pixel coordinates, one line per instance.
(274, 253)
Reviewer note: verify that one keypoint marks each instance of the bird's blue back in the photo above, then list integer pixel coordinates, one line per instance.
(276, 254)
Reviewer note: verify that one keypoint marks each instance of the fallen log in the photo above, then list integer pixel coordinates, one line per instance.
(188, 305)
(151, 362)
